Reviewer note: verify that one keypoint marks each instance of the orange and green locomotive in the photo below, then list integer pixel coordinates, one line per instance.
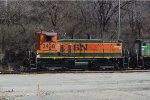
(93, 54)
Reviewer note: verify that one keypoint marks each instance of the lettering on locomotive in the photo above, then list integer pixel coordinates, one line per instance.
(75, 47)
(83, 47)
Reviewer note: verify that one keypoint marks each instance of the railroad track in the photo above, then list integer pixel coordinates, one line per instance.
(123, 70)
(102, 71)
(78, 71)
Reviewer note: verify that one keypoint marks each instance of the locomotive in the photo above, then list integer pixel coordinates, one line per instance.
(142, 49)
(93, 54)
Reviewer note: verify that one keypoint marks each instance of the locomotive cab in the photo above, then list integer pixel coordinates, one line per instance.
(44, 40)
(50, 37)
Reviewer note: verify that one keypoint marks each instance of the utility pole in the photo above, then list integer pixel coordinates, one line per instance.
(119, 21)
(6, 4)
(7, 41)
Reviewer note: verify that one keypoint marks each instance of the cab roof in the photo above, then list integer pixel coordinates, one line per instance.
(47, 33)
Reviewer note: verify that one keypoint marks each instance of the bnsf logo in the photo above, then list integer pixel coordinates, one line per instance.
(75, 47)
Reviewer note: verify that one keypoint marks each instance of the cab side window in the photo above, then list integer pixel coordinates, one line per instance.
(48, 39)
(144, 44)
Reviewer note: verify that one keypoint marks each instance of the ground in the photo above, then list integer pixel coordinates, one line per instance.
(76, 86)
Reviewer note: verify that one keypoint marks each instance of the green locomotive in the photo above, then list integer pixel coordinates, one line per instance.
(142, 48)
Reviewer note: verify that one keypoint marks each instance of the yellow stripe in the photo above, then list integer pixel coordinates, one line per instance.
(80, 57)
(88, 43)
(76, 52)
(146, 56)
(46, 52)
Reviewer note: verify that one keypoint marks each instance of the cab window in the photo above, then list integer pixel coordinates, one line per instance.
(144, 44)
(48, 39)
